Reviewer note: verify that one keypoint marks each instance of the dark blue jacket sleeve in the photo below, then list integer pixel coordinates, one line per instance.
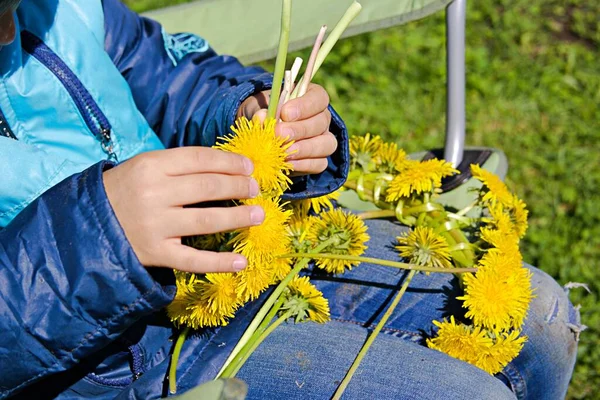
(190, 95)
(70, 282)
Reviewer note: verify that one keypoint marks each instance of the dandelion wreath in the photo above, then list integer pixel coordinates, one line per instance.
(479, 244)
(485, 235)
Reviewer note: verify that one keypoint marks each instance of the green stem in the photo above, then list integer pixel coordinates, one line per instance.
(243, 356)
(363, 351)
(284, 38)
(270, 315)
(466, 221)
(376, 214)
(271, 300)
(458, 255)
(423, 208)
(378, 261)
(331, 40)
(175, 360)
(261, 328)
(367, 194)
(421, 219)
(468, 208)
(455, 236)
(460, 237)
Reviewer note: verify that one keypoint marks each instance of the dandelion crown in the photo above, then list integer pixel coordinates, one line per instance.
(479, 244)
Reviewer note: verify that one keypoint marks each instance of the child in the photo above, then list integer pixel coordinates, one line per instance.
(92, 206)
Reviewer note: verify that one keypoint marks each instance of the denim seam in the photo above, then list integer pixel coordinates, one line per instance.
(517, 382)
(371, 326)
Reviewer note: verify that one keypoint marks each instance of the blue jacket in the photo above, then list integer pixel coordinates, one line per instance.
(87, 84)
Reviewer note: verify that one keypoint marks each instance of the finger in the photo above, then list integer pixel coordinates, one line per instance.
(261, 115)
(312, 103)
(188, 259)
(321, 146)
(198, 188)
(194, 160)
(305, 129)
(202, 221)
(310, 166)
(253, 104)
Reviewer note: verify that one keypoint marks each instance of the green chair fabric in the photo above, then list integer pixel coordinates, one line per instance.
(249, 30)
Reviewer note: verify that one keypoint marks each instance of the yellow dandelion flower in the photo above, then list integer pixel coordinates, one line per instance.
(419, 177)
(518, 215)
(363, 149)
(503, 260)
(505, 242)
(280, 268)
(494, 190)
(390, 159)
(490, 351)
(316, 204)
(207, 242)
(497, 296)
(317, 305)
(460, 341)
(349, 234)
(506, 348)
(500, 220)
(177, 310)
(268, 152)
(422, 246)
(255, 278)
(185, 279)
(505, 250)
(201, 316)
(206, 301)
(218, 291)
(267, 238)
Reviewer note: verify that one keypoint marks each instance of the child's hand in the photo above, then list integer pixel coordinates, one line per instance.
(306, 121)
(149, 191)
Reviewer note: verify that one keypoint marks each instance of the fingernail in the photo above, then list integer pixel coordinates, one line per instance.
(248, 166)
(239, 264)
(292, 150)
(292, 114)
(257, 215)
(253, 192)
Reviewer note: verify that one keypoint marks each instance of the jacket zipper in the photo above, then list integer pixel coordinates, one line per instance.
(5, 128)
(93, 116)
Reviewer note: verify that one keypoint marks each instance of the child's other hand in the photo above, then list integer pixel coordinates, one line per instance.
(149, 191)
(305, 120)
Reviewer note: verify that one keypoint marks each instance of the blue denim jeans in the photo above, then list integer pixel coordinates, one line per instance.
(307, 361)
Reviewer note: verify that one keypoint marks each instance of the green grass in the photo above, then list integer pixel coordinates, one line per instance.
(533, 90)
